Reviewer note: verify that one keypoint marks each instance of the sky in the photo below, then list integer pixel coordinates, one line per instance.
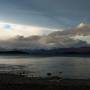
(43, 15)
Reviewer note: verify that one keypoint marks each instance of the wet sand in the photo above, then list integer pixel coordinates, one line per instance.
(19, 82)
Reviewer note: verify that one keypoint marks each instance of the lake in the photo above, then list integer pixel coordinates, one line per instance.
(71, 67)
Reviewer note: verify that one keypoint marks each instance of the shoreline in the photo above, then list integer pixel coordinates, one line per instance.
(19, 81)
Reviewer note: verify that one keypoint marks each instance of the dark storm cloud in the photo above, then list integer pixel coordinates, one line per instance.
(47, 13)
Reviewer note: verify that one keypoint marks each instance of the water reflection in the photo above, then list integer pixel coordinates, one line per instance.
(72, 67)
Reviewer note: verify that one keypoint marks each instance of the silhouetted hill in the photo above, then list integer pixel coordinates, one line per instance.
(49, 52)
(12, 52)
(60, 51)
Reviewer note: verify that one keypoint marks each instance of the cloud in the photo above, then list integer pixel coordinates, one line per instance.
(41, 42)
(10, 30)
(56, 39)
(81, 30)
(45, 13)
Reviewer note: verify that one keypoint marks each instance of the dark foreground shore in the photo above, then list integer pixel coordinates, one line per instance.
(19, 82)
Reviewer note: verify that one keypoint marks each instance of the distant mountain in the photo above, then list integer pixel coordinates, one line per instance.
(51, 52)
(13, 52)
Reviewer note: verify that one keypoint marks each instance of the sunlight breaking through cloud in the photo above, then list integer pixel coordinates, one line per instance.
(9, 30)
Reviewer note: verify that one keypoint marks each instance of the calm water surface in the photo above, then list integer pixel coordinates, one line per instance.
(71, 67)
